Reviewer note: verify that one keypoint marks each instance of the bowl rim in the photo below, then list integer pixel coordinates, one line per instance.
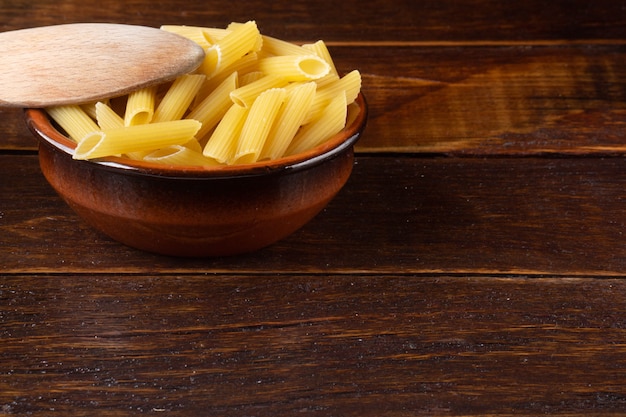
(40, 125)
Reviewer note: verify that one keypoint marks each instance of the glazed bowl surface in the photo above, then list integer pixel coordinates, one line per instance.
(193, 211)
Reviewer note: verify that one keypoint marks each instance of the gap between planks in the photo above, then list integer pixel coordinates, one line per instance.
(476, 43)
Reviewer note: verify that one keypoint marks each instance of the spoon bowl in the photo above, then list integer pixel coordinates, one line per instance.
(83, 62)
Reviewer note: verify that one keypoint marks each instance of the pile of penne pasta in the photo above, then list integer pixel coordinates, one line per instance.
(253, 98)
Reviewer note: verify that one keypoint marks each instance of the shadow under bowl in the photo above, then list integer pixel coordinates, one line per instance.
(195, 211)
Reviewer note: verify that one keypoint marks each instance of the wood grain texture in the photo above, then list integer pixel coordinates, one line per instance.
(472, 266)
(495, 100)
(314, 345)
(402, 215)
(14, 135)
(351, 20)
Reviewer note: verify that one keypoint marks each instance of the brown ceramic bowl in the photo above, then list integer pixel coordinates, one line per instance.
(197, 211)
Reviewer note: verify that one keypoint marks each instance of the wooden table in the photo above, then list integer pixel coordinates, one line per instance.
(473, 265)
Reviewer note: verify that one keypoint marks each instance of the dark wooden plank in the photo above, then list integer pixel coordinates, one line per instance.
(351, 20)
(493, 100)
(404, 215)
(318, 345)
(14, 134)
(474, 101)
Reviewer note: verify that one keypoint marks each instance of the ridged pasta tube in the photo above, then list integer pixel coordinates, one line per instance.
(135, 138)
(140, 106)
(73, 120)
(258, 124)
(331, 121)
(237, 43)
(222, 144)
(295, 67)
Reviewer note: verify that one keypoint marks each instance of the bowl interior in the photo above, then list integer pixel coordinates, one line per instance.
(40, 124)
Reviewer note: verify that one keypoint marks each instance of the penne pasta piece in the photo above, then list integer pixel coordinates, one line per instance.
(237, 43)
(178, 155)
(295, 67)
(327, 80)
(140, 106)
(349, 83)
(90, 109)
(320, 49)
(223, 142)
(107, 118)
(242, 66)
(135, 138)
(245, 96)
(178, 98)
(250, 77)
(258, 124)
(259, 39)
(215, 33)
(212, 109)
(74, 120)
(331, 121)
(274, 46)
(194, 33)
(194, 145)
(137, 155)
(291, 116)
(353, 112)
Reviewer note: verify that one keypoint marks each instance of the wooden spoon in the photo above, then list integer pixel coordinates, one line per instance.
(84, 62)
